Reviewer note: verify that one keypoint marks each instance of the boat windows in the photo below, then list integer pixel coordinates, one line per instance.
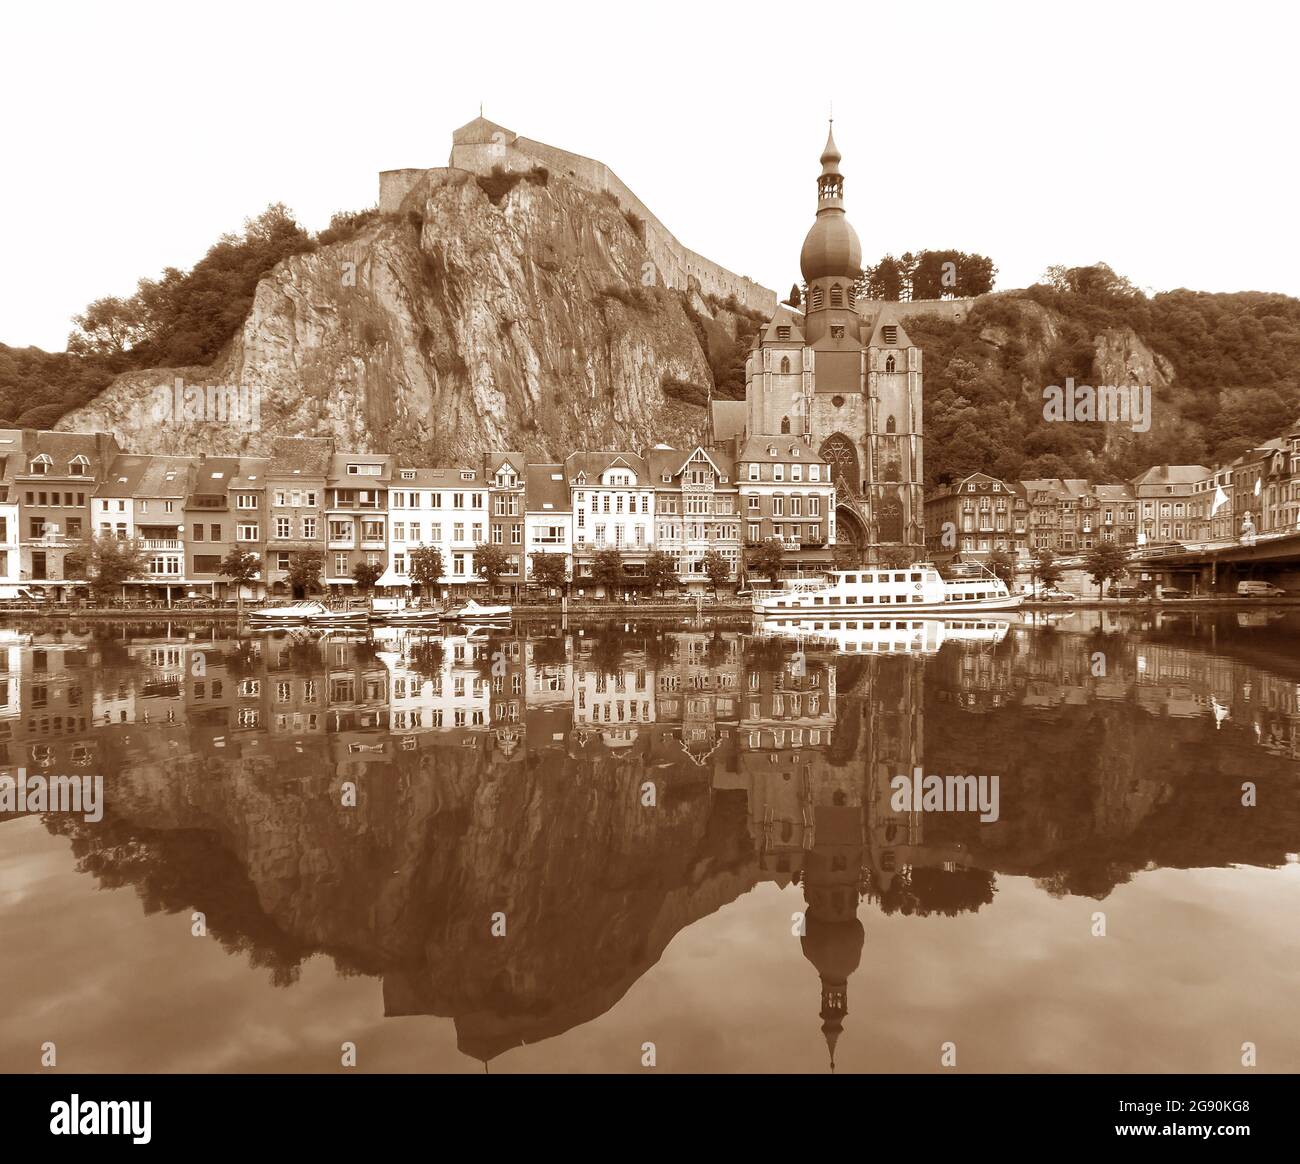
(918, 598)
(916, 577)
(819, 601)
(851, 600)
(886, 598)
(900, 577)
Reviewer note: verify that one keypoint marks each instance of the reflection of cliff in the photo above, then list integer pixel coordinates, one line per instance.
(523, 793)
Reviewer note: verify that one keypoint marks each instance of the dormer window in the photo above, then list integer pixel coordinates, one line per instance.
(41, 465)
(408, 474)
(77, 466)
(771, 450)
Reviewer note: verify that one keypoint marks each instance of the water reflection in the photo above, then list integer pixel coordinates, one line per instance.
(607, 788)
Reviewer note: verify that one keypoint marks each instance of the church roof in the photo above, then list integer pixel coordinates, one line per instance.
(782, 317)
(887, 318)
(728, 418)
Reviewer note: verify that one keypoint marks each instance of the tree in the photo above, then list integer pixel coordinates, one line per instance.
(108, 327)
(1105, 561)
(794, 298)
(426, 569)
(717, 568)
(660, 570)
(241, 566)
(607, 569)
(766, 559)
(549, 570)
(106, 562)
(896, 557)
(366, 574)
(1046, 572)
(1003, 564)
(304, 572)
(490, 562)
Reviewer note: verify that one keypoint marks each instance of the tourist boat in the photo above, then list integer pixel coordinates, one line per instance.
(887, 636)
(476, 612)
(915, 589)
(308, 612)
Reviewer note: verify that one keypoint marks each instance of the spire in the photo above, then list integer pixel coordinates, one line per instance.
(831, 155)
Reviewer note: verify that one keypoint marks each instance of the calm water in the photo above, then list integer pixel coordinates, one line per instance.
(688, 835)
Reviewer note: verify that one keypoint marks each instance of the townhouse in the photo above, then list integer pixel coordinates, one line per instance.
(786, 493)
(976, 516)
(296, 475)
(506, 474)
(52, 476)
(697, 509)
(548, 516)
(356, 516)
(1164, 497)
(445, 508)
(142, 497)
(613, 509)
(1212, 505)
(210, 524)
(1117, 513)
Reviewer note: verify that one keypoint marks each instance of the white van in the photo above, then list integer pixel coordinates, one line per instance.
(1259, 590)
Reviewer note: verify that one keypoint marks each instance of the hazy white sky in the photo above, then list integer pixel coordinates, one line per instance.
(1160, 138)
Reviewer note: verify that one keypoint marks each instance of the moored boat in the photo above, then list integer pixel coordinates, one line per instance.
(308, 612)
(473, 611)
(918, 589)
(398, 612)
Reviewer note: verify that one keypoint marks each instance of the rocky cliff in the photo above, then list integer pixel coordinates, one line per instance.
(522, 314)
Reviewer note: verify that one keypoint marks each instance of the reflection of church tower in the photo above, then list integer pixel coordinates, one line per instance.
(833, 936)
(845, 375)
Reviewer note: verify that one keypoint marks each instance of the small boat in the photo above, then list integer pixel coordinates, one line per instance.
(910, 590)
(476, 612)
(397, 612)
(308, 612)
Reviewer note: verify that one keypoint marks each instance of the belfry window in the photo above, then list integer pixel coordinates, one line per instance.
(837, 296)
(891, 333)
(783, 333)
(785, 363)
(816, 298)
(785, 424)
(889, 364)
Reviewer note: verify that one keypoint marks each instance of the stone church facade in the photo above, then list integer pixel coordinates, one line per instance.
(843, 374)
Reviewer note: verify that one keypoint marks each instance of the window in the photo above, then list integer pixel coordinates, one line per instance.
(283, 527)
(246, 532)
(359, 470)
(785, 361)
(891, 333)
(340, 565)
(309, 527)
(783, 333)
(889, 363)
(753, 472)
(246, 501)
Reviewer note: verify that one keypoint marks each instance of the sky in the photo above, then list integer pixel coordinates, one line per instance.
(1159, 138)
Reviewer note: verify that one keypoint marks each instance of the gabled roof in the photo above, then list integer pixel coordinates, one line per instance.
(213, 475)
(252, 473)
(494, 460)
(1171, 475)
(547, 490)
(481, 131)
(594, 464)
(887, 318)
(782, 317)
(146, 475)
(439, 477)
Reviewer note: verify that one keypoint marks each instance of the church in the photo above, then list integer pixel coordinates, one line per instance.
(840, 373)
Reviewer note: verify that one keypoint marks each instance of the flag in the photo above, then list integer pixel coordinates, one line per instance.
(1220, 500)
(1258, 482)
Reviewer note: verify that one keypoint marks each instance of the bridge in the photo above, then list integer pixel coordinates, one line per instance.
(1219, 566)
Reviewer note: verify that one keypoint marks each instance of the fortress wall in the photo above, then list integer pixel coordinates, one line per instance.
(394, 185)
(955, 310)
(674, 263)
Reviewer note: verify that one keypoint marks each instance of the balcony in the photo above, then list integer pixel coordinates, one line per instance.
(162, 544)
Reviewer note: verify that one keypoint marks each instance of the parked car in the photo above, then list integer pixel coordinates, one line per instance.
(1130, 590)
(1173, 592)
(1259, 590)
(1053, 594)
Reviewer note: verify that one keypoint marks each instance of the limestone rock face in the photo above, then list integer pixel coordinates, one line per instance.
(459, 324)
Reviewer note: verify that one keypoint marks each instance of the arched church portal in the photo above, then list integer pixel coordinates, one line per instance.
(838, 451)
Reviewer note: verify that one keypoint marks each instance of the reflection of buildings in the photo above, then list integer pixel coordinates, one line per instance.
(495, 772)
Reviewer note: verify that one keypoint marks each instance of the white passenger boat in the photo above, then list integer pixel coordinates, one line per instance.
(308, 612)
(476, 612)
(915, 589)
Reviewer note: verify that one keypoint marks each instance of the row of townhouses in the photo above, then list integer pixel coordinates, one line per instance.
(344, 509)
(1259, 491)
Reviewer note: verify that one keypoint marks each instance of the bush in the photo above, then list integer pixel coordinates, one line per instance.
(686, 392)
